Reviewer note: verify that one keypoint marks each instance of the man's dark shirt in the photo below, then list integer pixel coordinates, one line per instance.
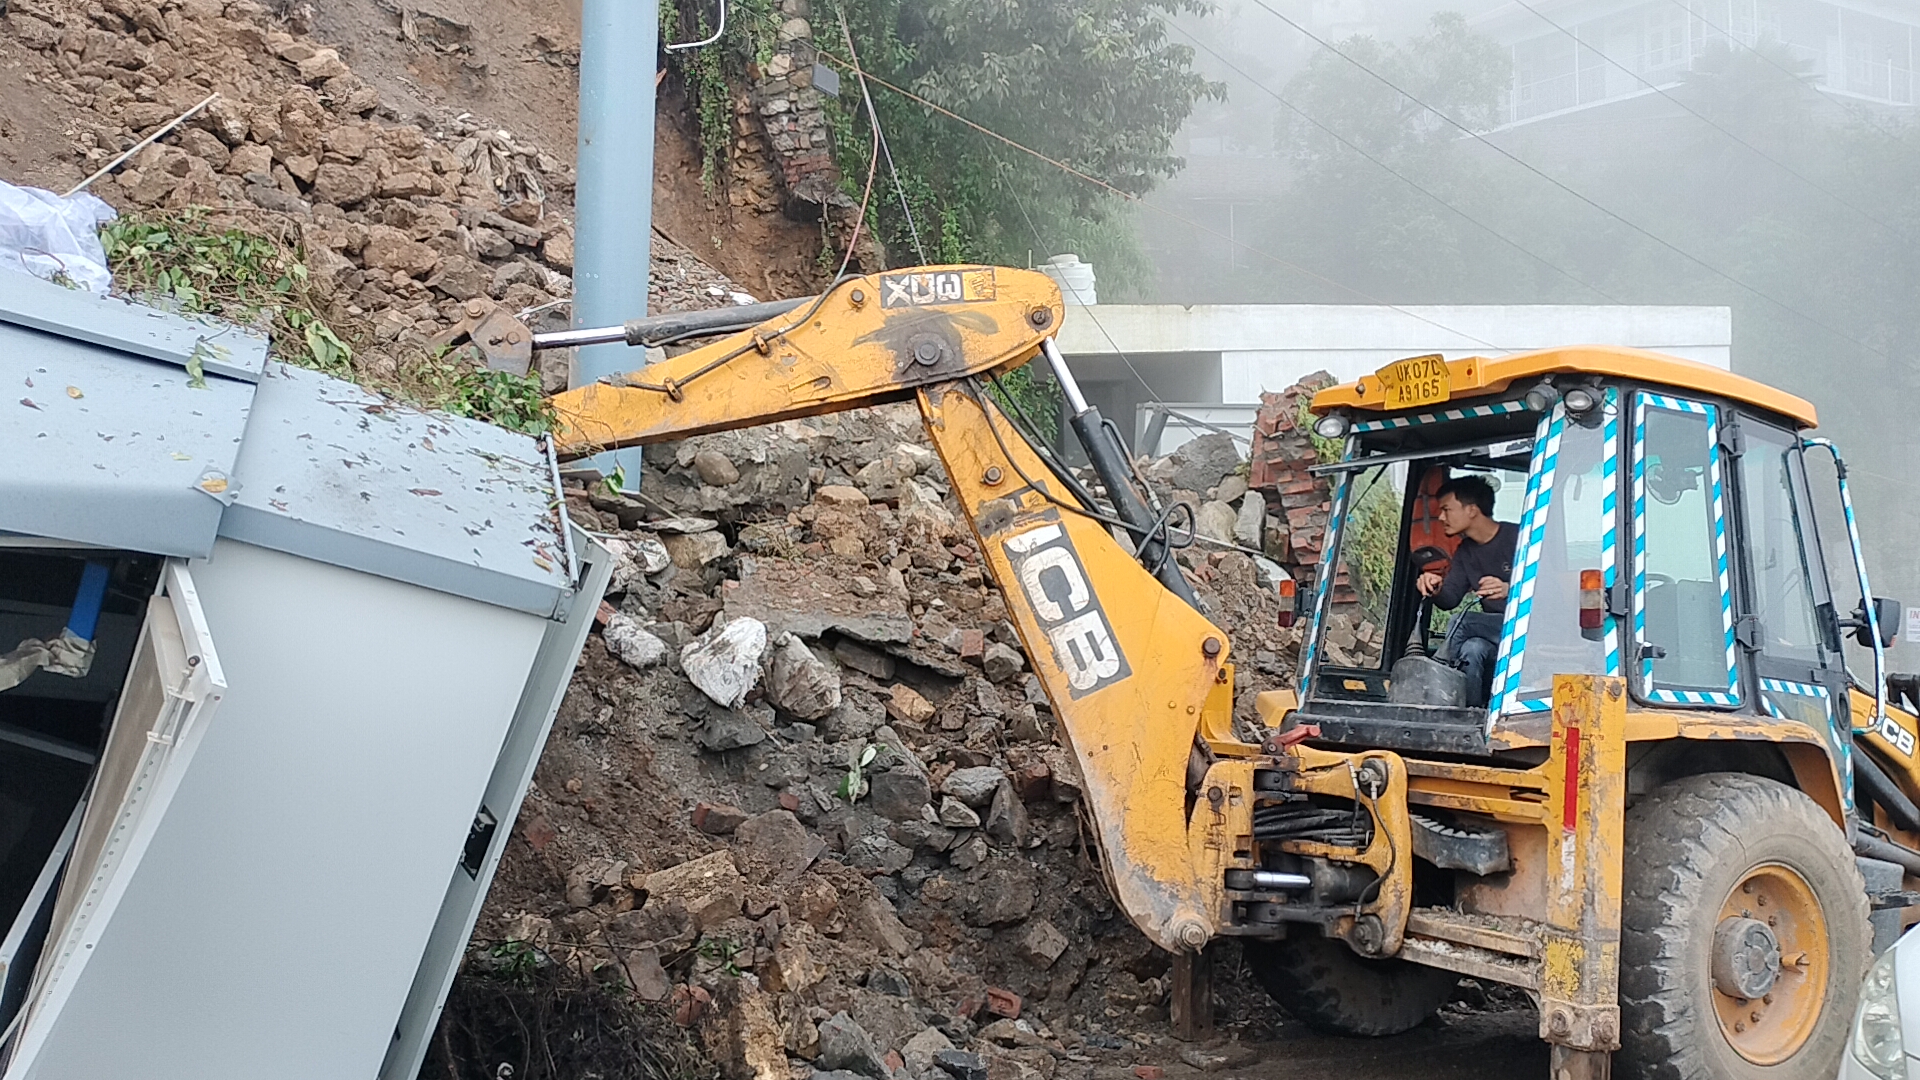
(1475, 561)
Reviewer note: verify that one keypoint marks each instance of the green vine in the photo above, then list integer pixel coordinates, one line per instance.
(709, 72)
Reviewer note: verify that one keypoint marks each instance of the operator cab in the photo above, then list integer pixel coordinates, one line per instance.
(1665, 533)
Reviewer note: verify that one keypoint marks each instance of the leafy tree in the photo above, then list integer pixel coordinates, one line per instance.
(1094, 84)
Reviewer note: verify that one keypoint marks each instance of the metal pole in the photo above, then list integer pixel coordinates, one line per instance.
(613, 191)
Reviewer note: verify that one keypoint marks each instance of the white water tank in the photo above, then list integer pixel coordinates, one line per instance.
(1074, 277)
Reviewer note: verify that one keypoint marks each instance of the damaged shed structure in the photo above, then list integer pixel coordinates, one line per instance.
(281, 656)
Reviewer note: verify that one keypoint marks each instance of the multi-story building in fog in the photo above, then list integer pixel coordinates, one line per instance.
(1603, 51)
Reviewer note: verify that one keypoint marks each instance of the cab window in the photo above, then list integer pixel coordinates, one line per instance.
(1683, 615)
(1775, 542)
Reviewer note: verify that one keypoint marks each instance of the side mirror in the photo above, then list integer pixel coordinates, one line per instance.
(1886, 612)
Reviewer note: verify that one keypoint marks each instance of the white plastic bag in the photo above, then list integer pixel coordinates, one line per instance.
(50, 237)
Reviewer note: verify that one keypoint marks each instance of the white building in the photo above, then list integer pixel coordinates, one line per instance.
(1575, 54)
(1210, 363)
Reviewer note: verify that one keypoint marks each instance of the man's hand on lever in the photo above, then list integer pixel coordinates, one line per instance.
(1428, 583)
(1491, 588)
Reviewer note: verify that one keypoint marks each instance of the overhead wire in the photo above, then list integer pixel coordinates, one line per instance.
(1561, 185)
(1396, 173)
(1710, 122)
(880, 139)
(867, 76)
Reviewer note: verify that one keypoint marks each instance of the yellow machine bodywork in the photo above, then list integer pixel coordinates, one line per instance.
(1142, 683)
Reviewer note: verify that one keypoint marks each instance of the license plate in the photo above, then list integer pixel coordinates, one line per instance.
(1419, 380)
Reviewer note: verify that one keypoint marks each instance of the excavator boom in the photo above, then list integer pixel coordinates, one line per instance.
(1132, 669)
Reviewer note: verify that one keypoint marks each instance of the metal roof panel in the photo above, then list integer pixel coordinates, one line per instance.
(110, 449)
(334, 473)
(224, 348)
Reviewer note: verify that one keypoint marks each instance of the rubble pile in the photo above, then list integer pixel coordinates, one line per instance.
(400, 221)
(805, 790)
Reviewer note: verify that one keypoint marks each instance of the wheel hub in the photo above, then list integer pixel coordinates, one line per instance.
(1746, 958)
(1768, 964)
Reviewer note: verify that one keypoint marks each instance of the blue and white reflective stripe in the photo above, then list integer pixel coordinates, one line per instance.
(1674, 404)
(1841, 746)
(1781, 686)
(1609, 549)
(1643, 669)
(1526, 562)
(1610, 514)
(1644, 399)
(1720, 553)
(1465, 412)
(1323, 584)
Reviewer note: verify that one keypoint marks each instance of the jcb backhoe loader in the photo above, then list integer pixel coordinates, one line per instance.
(1663, 824)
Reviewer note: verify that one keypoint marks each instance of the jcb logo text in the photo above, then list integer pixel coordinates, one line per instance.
(1070, 615)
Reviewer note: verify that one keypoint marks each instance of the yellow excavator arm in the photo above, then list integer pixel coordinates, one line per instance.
(1133, 670)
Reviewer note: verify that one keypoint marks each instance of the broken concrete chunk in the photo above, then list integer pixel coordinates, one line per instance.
(715, 469)
(961, 1064)
(632, 644)
(850, 721)
(974, 786)
(1231, 488)
(955, 814)
(1201, 463)
(905, 704)
(898, 794)
(734, 729)
(878, 852)
(840, 496)
(589, 881)
(800, 682)
(846, 1045)
(710, 888)
(776, 847)
(644, 974)
(1001, 894)
(1041, 943)
(724, 662)
(918, 1051)
(1250, 527)
(1215, 520)
(691, 551)
(811, 597)
(1007, 818)
(1002, 662)
(874, 920)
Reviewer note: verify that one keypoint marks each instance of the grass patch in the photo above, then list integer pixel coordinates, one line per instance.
(188, 262)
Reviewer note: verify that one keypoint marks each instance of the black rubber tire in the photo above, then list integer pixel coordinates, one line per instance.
(1331, 988)
(1688, 844)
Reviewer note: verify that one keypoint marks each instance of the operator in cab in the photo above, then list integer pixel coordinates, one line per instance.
(1482, 567)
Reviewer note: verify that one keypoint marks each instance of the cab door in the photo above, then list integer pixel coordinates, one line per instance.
(1795, 673)
(1682, 648)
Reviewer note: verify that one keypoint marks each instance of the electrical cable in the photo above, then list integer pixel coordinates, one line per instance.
(1161, 210)
(866, 196)
(1404, 178)
(880, 138)
(1129, 196)
(1535, 170)
(1710, 122)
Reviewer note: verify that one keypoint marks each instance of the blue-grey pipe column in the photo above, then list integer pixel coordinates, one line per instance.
(613, 188)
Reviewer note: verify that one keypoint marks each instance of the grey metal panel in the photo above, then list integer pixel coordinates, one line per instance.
(336, 474)
(289, 890)
(121, 464)
(506, 789)
(233, 351)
